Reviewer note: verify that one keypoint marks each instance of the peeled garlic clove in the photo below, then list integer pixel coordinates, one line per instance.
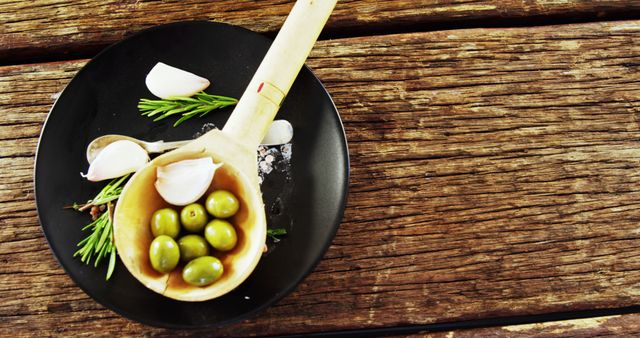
(280, 132)
(165, 81)
(117, 159)
(184, 182)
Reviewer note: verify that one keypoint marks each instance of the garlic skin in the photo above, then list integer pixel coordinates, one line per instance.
(280, 132)
(184, 182)
(165, 81)
(117, 159)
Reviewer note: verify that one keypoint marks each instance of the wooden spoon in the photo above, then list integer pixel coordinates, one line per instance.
(234, 146)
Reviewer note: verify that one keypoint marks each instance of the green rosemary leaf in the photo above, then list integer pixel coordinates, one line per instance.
(206, 112)
(105, 199)
(182, 119)
(112, 263)
(274, 233)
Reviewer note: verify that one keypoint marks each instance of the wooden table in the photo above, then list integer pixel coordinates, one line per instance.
(495, 166)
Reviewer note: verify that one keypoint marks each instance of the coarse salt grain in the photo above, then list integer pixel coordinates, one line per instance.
(286, 150)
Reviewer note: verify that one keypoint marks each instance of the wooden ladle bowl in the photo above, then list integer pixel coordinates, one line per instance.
(134, 236)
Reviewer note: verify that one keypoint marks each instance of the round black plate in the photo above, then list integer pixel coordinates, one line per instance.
(102, 98)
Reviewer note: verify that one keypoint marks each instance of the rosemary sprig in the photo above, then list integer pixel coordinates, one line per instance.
(99, 243)
(274, 233)
(198, 105)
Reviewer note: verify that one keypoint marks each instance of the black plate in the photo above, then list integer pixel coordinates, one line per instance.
(101, 99)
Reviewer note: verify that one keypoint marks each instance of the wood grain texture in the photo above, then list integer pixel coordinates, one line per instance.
(495, 172)
(32, 29)
(609, 326)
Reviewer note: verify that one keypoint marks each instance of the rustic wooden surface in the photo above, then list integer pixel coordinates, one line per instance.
(608, 326)
(55, 28)
(494, 173)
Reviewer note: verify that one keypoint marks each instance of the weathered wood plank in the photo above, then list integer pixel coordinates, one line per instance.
(609, 326)
(43, 29)
(494, 173)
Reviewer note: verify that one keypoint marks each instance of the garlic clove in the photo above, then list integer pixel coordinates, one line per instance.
(280, 132)
(165, 81)
(184, 182)
(117, 159)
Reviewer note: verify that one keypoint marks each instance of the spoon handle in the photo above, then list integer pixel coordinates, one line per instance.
(270, 84)
(161, 146)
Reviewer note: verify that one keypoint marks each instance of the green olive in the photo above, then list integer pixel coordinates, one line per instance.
(165, 222)
(202, 271)
(164, 254)
(221, 235)
(192, 246)
(193, 217)
(222, 204)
